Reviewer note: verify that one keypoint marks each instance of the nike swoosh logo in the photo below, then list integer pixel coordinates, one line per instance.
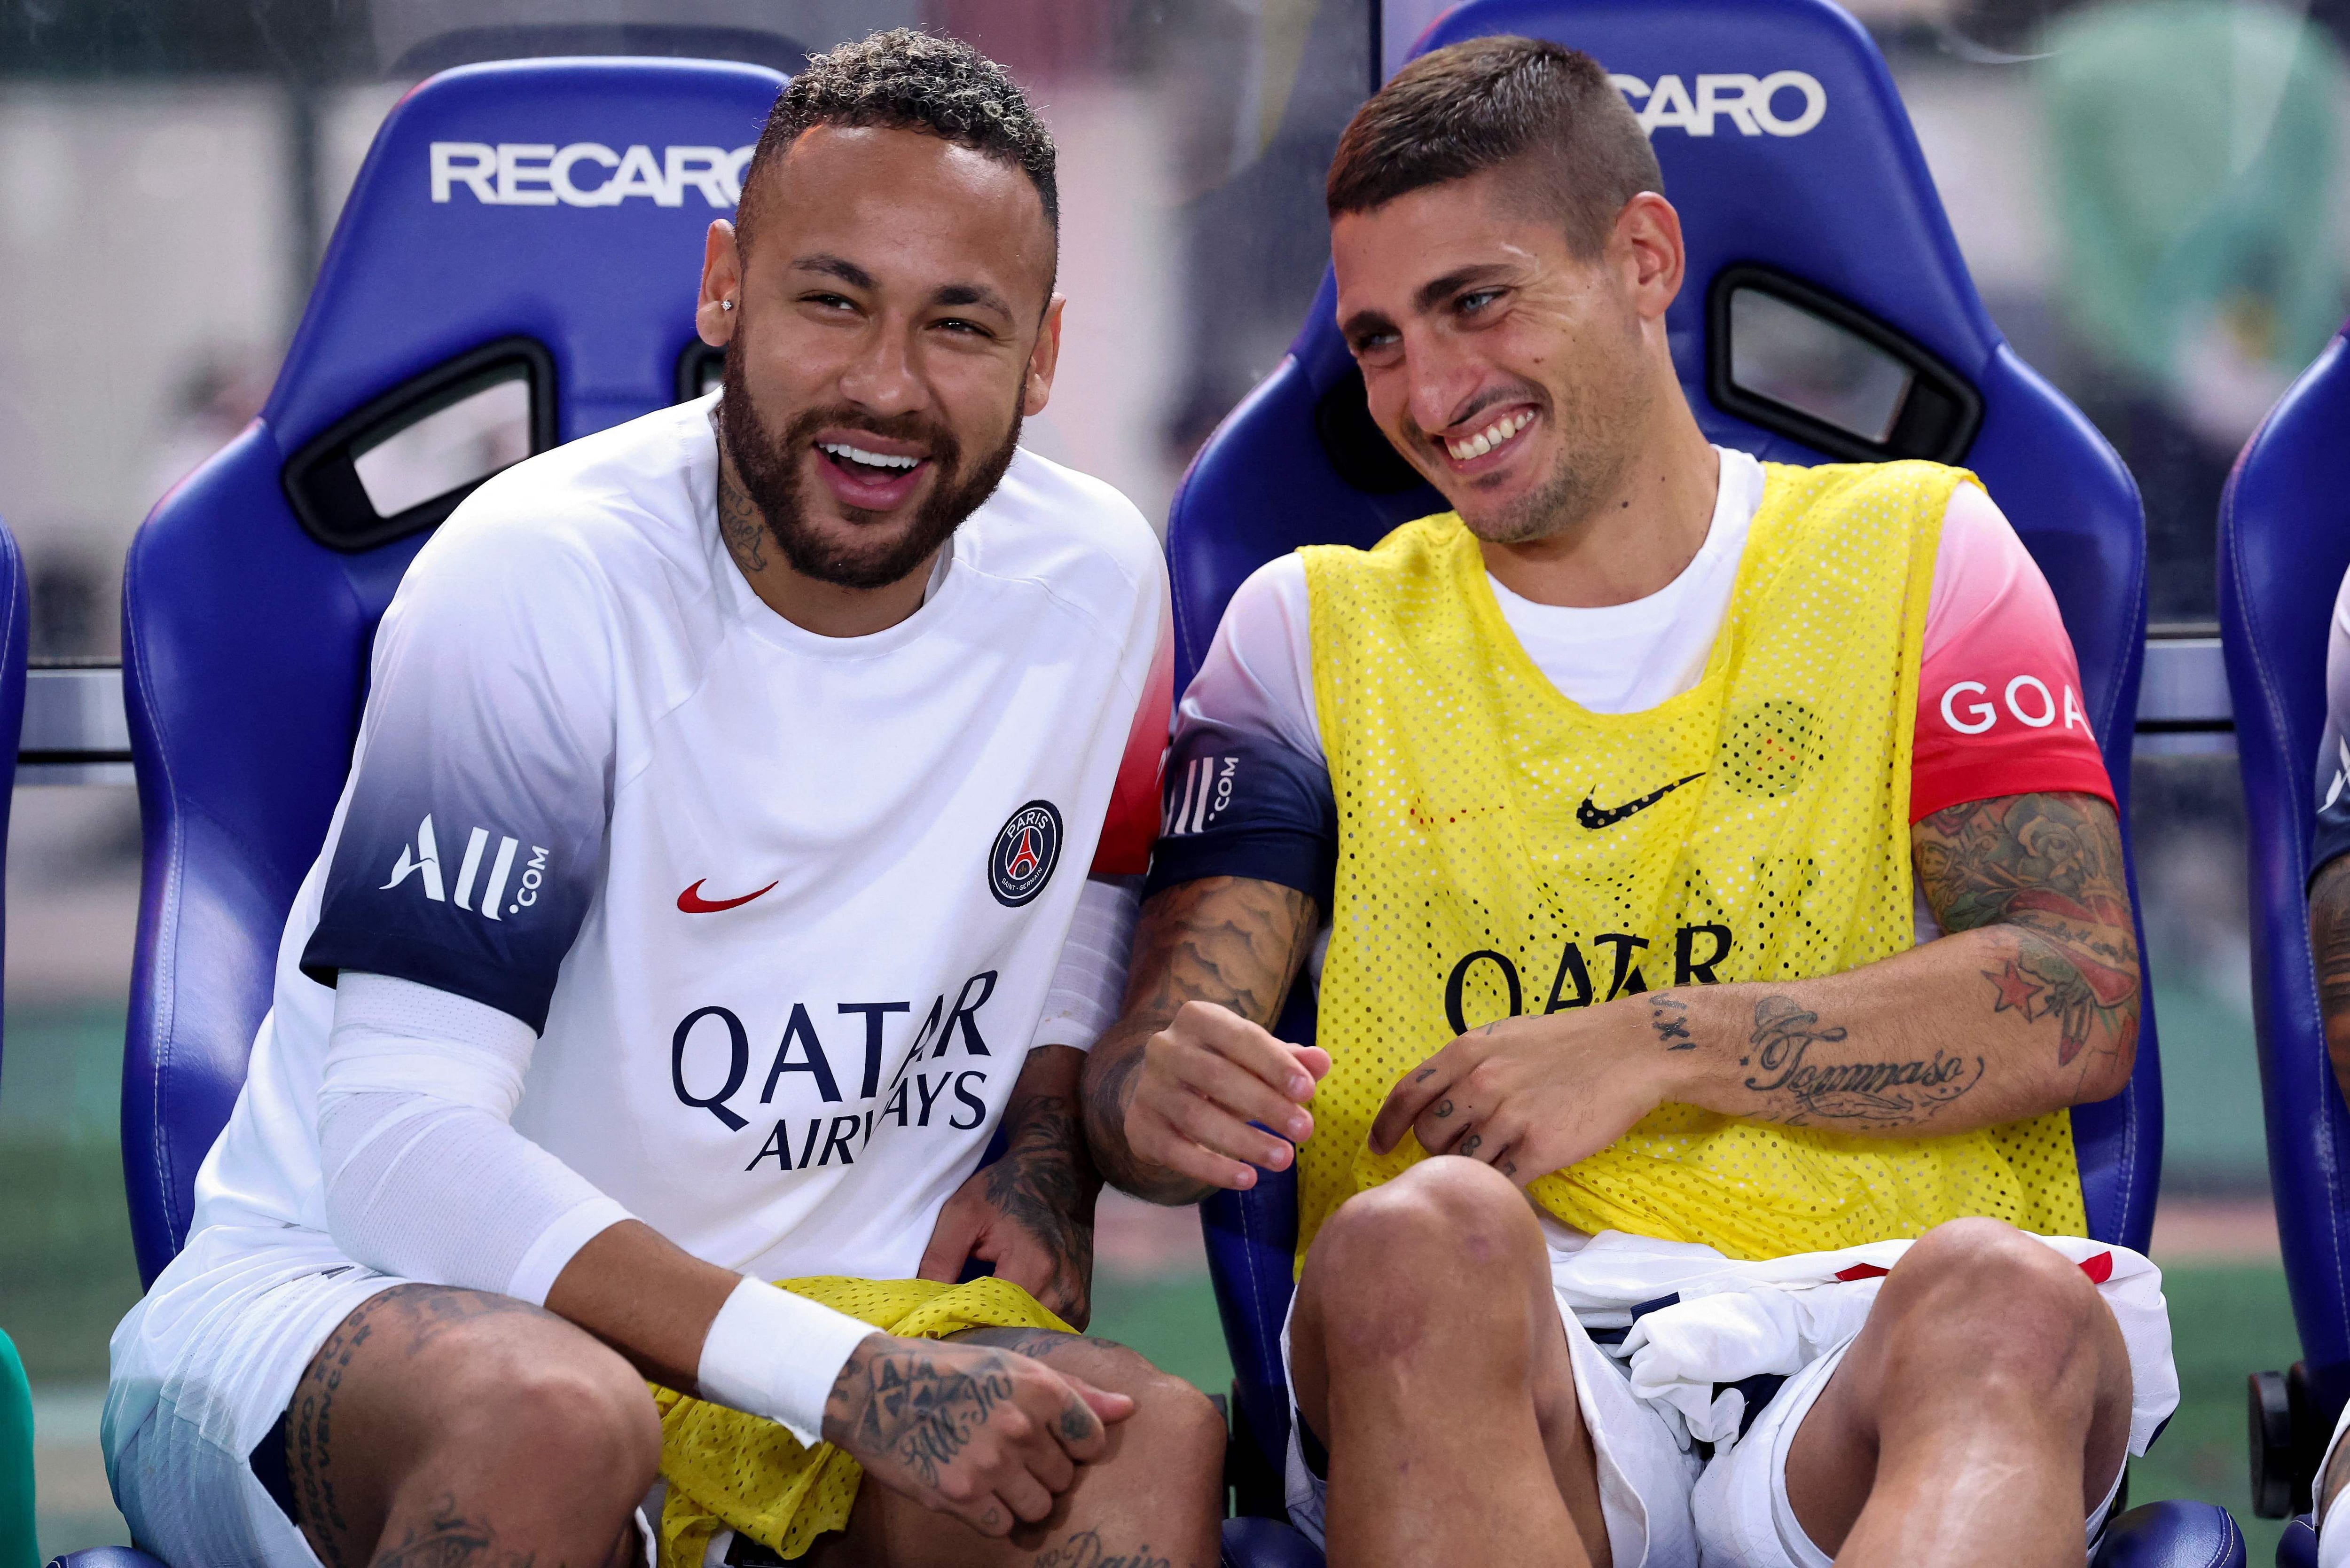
(691, 902)
(1593, 817)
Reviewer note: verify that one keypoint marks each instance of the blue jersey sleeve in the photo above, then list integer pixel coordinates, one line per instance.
(472, 838)
(2333, 827)
(1242, 804)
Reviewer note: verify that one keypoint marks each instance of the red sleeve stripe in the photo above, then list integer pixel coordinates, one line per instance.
(1132, 826)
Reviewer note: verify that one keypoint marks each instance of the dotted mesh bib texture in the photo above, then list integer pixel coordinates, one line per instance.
(729, 1470)
(1503, 851)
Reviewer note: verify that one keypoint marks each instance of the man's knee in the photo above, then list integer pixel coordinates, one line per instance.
(1982, 1294)
(587, 1409)
(1424, 1228)
(1177, 1417)
(541, 1392)
(1446, 1238)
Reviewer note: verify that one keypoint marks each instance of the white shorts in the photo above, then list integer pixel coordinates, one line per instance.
(203, 1368)
(1663, 1505)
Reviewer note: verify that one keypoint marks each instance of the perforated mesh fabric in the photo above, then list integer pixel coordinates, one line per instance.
(727, 1471)
(1487, 867)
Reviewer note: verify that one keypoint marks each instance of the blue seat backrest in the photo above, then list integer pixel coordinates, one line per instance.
(245, 640)
(2285, 543)
(1845, 205)
(15, 622)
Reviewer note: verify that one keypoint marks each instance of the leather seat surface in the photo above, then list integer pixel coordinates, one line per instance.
(2285, 543)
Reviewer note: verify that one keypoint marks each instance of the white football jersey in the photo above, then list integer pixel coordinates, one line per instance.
(784, 907)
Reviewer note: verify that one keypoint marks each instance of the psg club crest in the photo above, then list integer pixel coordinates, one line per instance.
(1024, 854)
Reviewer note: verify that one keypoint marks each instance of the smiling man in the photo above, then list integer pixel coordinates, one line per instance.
(709, 887)
(1715, 864)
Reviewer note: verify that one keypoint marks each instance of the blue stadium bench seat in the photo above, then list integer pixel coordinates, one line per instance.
(2285, 543)
(1788, 153)
(467, 261)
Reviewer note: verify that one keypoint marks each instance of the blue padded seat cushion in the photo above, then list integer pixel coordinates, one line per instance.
(2285, 543)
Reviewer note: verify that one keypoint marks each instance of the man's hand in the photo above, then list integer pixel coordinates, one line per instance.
(1203, 1080)
(1171, 1089)
(1531, 1096)
(1032, 1212)
(986, 1436)
(1027, 1216)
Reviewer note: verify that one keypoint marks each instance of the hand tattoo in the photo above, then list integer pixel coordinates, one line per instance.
(2048, 866)
(913, 1406)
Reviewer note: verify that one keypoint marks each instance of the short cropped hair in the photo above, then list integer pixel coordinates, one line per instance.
(1475, 106)
(902, 80)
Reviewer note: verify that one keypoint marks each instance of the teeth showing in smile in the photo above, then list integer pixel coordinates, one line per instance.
(870, 459)
(1492, 436)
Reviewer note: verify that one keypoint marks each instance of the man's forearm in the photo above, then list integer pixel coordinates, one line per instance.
(1046, 1181)
(1968, 1031)
(646, 1297)
(1230, 940)
(2329, 950)
(655, 1303)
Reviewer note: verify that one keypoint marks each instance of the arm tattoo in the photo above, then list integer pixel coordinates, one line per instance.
(1870, 1093)
(1227, 939)
(1046, 1184)
(1668, 1016)
(913, 1406)
(2048, 868)
(2329, 950)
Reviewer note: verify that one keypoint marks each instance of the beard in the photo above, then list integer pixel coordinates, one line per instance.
(875, 553)
(1598, 437)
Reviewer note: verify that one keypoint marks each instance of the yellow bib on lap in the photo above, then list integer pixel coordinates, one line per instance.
(727, 1471)
(1503, 851)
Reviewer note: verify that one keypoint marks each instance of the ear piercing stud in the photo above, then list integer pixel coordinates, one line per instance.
(725, 305)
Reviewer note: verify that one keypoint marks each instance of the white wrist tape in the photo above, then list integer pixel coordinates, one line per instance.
(770, 1353)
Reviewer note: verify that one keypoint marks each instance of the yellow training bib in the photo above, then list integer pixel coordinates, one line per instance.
(1503, 851)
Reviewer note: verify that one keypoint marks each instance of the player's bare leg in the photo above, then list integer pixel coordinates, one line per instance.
(439, 1425)
(1155, 1501)
(1980, 1415)
(1427, 1352)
